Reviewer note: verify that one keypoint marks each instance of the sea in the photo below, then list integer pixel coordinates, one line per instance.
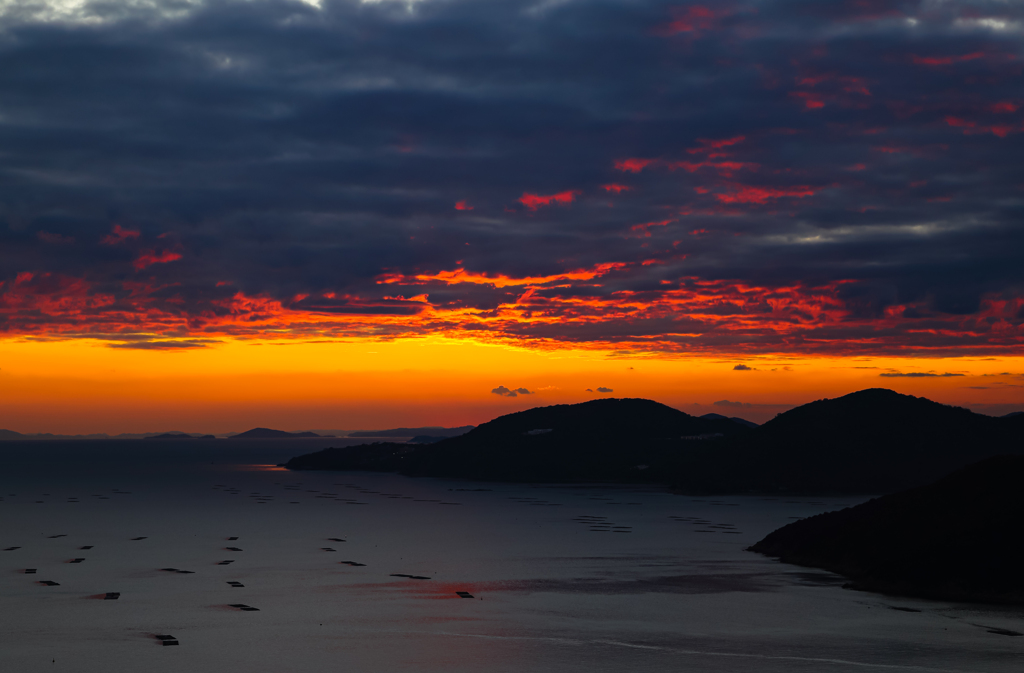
(205, 556)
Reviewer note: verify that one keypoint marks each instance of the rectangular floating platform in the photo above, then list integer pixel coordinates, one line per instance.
(225, 563)
(236, 584)
(76, 560)
(328, 549)
(335, 539)
(352, 563)
(11, 548)
(112, 595)
(233, 549)
(412, 577)
(88, 546)
(464, 594)
(50, 583)
(167, 640)
(30, 571)
(56, 536)
(244, 607)
(134, 539)
(233, 538)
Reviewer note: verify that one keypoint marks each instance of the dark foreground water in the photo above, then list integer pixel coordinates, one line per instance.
(582, 578)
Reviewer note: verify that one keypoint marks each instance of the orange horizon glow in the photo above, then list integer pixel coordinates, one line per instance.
(83, 386)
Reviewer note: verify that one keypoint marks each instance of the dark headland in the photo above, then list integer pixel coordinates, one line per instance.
(960, 538)
(871, 441)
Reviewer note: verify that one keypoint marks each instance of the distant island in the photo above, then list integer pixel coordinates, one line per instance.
(957, 539)
(180, 435)
(871, 441)
(267, 433)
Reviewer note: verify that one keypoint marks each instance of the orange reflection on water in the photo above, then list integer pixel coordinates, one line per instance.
(258, 468)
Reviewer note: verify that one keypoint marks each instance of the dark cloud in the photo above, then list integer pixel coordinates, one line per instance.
(602, 389)
(806, 177)
(508, 392)
(743, 368)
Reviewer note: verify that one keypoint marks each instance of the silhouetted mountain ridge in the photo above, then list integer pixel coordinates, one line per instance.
(871, 441)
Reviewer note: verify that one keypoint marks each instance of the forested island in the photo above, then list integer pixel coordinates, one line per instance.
(871, 441)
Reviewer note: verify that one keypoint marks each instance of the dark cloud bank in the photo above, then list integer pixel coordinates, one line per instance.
(776, 176)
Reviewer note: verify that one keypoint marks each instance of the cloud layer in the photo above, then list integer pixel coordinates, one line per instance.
(784, 176)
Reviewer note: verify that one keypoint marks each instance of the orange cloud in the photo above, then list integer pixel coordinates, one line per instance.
(457, 276)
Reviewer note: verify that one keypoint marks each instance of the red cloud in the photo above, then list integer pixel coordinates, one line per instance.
(647, 225)
(945, 60)
(633, 165)
(708, 145)
(812, 101)
(462, 205)
(150, 257)
(761, 195)
(1004, 107)
(616, 188)
(117, 235)
(969, 127)
(695, 18)
(535, 201)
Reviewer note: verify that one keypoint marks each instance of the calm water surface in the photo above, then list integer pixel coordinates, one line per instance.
(581, 578)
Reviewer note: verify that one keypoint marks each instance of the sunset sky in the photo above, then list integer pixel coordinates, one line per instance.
(343, 214)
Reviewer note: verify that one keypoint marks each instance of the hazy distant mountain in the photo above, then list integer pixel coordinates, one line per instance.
(872, 441)
(734, 419)
(956, 539)
(180, 435)
(432, 431)
(608, 439)
(267, 433)
(11, 434)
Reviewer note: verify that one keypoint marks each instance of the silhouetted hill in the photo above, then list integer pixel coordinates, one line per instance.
(413, 432)
(267, 433)
(11, 434)
(600, 440)
(734, 419)
(960, 538)
(871, 441)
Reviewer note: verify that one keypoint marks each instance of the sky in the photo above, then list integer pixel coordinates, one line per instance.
(344, 214)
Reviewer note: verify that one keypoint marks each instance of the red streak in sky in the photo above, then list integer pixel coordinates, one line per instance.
(617, 189)
(633, 165)
(945, 60)
(117, 235)
(535, 201)
(150, 257)
(462, 205)
(761, 195)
